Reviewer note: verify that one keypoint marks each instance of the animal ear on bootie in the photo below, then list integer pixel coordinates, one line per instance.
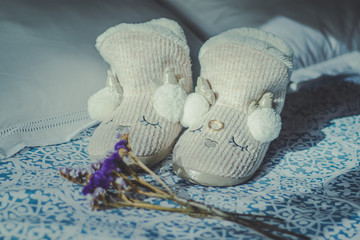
(263, 121)
(169, 96)
(104, 102)
(198, 103)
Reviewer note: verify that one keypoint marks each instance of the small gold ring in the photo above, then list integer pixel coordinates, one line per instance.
(215, 126)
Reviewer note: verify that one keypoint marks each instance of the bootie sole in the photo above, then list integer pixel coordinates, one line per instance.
(207, 179)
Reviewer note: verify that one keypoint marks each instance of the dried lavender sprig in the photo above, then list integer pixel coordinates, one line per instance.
(77, 175)
(194, 209)
(114, 184)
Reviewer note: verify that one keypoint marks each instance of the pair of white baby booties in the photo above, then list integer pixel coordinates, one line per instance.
(231, 118)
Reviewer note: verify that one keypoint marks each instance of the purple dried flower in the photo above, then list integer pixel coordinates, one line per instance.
(88, 189)
(121, 182)
(96, 165)
(87, 170)
(65, 170)
(103, 177)
(121, 144)
(98, 191)
(74, 173)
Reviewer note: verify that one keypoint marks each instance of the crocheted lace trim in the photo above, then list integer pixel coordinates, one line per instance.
(43, 124)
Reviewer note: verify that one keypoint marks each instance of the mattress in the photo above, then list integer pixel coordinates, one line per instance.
(310, 178)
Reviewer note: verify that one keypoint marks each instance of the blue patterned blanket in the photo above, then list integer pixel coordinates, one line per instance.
(310, 177)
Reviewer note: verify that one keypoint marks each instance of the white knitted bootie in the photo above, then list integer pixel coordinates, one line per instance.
(240, 94)
(146, 89)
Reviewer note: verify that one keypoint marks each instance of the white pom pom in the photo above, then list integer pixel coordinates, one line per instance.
(264, 124)
(169, 101)
(102, 103)
(195, 107)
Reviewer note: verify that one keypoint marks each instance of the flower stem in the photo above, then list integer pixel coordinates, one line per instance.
(144, 167)
(194, 209)
(127, 189)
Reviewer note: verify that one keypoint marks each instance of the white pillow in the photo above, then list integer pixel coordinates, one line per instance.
(317, 30)
(49, 66)
(315, 53)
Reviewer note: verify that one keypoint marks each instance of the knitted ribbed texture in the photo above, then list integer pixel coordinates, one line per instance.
(238, 73)
(137, 56)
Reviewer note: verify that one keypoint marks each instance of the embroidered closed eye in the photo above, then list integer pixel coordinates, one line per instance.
(197, 130)
(155, 125)
(237, 145)
(110, 121)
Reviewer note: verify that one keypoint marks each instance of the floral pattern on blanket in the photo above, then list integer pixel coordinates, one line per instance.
(310, 178)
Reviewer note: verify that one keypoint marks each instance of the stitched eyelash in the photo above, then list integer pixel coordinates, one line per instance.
(195, 130)
(151, 124)
(237, 145)
(111, 120)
